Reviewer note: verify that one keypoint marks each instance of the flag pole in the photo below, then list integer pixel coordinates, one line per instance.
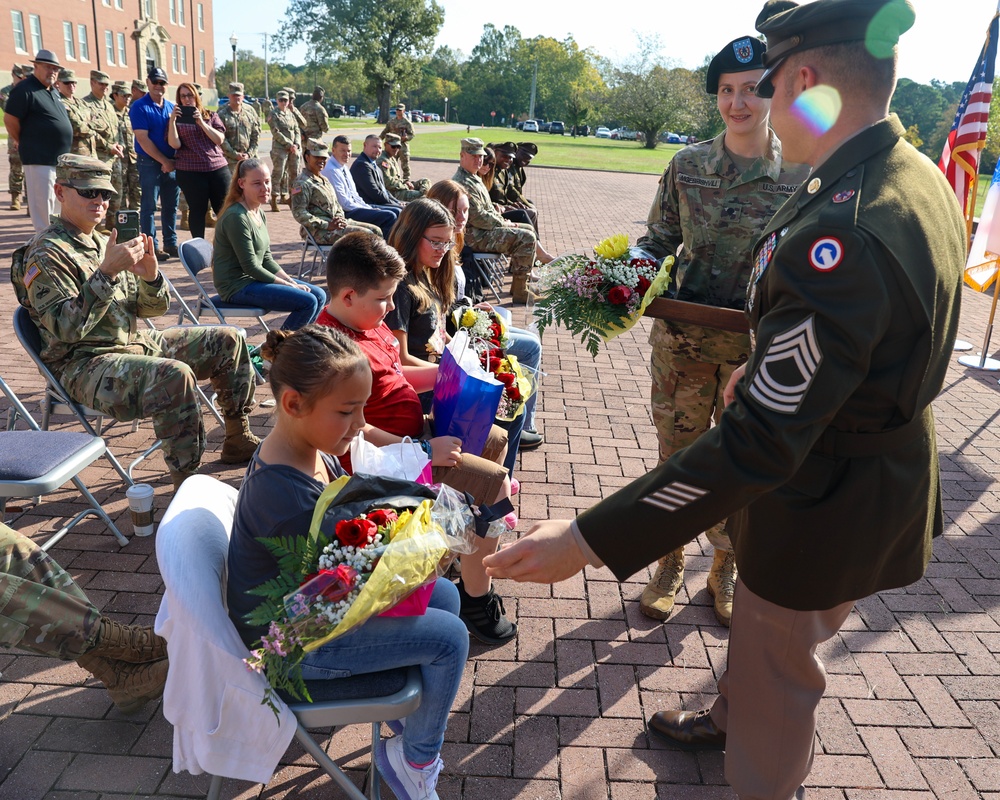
(970, 212)
(981, 361)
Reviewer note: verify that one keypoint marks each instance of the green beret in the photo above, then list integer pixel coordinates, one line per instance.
(83, 172)
(740, 55)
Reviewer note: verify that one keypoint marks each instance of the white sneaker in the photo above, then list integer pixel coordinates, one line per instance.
(406, 782)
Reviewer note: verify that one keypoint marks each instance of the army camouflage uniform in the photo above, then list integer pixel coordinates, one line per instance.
(80, 115)
(41, 608)
(392, 173)
(317, 121)
(488, 232)
(104, 123)
(284, 135)
(315, 206)
(242, 133)
(131, 197)
(92, 341)
(716, 213)
(15, 180)
(403, 128)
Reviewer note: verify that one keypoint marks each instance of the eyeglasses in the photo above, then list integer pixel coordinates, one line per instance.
(93, 194)
(186, 96)
(436, 245)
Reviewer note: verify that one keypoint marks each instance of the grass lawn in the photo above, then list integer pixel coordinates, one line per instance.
(553, 151)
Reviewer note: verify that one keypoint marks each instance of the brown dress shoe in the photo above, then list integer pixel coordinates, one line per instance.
(687, 730)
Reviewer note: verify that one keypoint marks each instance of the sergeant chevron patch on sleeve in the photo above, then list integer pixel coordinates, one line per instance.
(675, 495)
(787, 369)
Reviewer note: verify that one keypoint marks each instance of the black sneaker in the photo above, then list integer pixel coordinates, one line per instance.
(530, 440)
(484, 617)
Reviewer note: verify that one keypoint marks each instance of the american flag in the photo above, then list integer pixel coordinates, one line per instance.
(960, 159)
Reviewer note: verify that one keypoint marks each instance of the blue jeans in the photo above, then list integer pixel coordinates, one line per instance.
(305, 306)
(158, 187)
(382, 216)
(437, 642)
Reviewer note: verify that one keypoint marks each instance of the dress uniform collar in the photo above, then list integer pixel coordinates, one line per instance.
(850, 154)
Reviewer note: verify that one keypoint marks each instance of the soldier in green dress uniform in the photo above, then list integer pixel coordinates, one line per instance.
(314, 201)
(827, 446)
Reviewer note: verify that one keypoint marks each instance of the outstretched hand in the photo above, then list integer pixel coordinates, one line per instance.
(547, 554)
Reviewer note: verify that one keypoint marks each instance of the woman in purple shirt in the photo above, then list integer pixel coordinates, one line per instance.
(202, 170)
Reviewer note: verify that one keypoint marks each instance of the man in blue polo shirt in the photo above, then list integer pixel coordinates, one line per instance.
(37, 122)
(149, 115)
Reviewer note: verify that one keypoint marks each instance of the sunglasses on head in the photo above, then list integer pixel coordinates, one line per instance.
(93, 194)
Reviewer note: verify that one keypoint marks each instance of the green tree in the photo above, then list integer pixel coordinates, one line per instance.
(649, 99)
(495, 78)
(250, 71)
(387, 37)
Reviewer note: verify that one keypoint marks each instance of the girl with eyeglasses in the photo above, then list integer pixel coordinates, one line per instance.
(196, 134)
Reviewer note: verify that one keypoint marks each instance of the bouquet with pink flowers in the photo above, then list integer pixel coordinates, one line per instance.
(599, 297)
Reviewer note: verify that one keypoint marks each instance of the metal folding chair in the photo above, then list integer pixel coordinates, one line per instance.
(309, 243)
(199, 520)
(35, 462)
(493, 267)
(196, 255)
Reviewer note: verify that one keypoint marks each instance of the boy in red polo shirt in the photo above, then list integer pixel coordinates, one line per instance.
(362, 272)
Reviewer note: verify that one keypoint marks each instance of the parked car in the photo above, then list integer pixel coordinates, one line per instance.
(557, 126)
(543, 126)
(581, 130)
(603, 133)
(626, 134)
(530, 126)
(674, 138)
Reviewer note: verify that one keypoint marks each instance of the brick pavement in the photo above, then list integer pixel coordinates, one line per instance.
(911, 711)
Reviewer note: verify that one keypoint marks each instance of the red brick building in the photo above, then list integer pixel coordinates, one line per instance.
(124, 38)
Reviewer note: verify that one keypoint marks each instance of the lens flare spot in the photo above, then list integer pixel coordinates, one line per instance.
(818, 107)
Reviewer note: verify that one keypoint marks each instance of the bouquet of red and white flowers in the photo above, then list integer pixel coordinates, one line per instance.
(488, 335)
(380, 558)
(600, 297)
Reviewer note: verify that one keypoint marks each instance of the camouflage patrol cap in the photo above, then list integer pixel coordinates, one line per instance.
(282, 95)
(740, 55)
(83, 172)
(100, 77)
(119, 87)
(66, 76)
(318, 148)
(877, 23)
(473, 147)
(393, 140)
(137, 84)
(401, 107)
(236, 88)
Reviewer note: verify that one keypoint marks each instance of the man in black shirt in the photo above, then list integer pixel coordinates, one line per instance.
(38, 124)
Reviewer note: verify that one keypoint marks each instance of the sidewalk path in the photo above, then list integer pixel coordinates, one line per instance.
(911, 710)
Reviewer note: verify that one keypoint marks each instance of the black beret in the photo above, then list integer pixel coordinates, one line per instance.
(878, 23)
(740, 55)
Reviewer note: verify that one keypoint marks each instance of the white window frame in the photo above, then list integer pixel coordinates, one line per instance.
(150, 8)
(181, 15)
(122, 49)
(120, 5)
(201, 63)
(35, 29)
(109, 47)
(20, 36)
(184, 59)
(173, 58)
(106, 3)
(201, 18)
(172, 4)
(83, 40)
(69, 41)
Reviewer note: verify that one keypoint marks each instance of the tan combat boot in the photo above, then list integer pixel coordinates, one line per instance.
(133, 643)
(722, 584)
(658, 597)
(519, 291)
(15, 201)
(131, 686)
(183, 225)
(240, 443)
(287, 199)
(209, 219)
(274, 203)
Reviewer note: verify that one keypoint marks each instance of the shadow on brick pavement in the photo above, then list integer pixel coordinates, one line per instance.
(911, 710)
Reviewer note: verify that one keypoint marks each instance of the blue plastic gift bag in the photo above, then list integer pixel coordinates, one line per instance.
(466, 396)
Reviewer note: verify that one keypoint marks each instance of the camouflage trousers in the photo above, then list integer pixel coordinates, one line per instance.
(161, 385)
(406, 195)
(41, 608)
(131, 198)
(286, 170)
(404, 161)
(690, 367)
(15, 181)
(517, 242)
(325, 237)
